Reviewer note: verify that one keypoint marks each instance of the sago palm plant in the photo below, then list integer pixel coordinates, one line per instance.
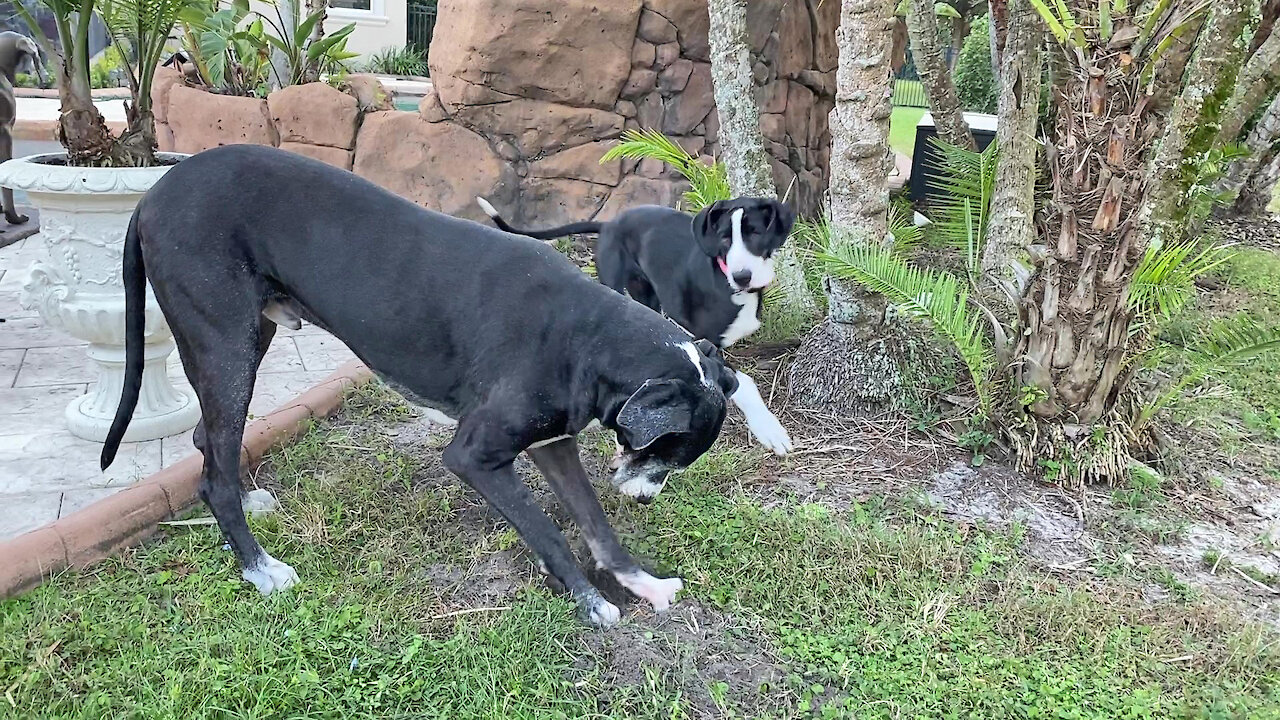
(140, 28)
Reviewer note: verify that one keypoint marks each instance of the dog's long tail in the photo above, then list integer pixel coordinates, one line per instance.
(548, 234)
(135, 306)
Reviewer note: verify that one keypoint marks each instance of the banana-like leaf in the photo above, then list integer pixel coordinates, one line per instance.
(932, 295)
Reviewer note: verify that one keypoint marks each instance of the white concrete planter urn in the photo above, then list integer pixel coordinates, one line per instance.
(84, 213)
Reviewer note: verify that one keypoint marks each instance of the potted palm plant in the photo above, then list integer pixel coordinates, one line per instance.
(86, 196)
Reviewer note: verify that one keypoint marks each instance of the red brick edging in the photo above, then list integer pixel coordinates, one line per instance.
(129, 516)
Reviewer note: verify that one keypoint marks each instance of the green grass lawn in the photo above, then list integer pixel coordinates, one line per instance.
(417, 602)
(902, 128)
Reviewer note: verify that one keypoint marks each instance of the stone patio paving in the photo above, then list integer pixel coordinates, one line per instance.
(45, 471)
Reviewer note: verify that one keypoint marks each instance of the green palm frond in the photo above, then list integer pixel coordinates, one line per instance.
(906, 234)
(1165, 277)
(144, 26)
(709, 182)
(961, 209)
(936, 296)
(1225, 344)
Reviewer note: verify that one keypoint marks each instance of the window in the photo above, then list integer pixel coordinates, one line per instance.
(363, 12)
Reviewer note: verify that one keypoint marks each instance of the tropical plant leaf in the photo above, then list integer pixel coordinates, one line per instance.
(1165, 277)
(960, 209)
(933, 295)
(709, 183)
(906, 234)
(1225, 344)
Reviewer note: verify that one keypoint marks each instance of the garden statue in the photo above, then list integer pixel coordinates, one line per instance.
(17, 52)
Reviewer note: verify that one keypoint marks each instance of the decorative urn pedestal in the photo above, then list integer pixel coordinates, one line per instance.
(84, 213)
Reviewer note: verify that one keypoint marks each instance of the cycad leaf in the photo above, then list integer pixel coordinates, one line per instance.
(935, 296)
(708, 183)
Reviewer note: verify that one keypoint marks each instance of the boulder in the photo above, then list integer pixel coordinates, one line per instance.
(686, 110)
(799, 102)
(639, 82)
(337, 157)
(575, 52)
(538, 127)
(580, 163)
(762, 19)
(675, 78)
(649, 111)
(430, 108)
(773, 126)
(655, 28)
(315, 113)
(625, 108)
(164, 137)
(795, 40)
(692, 23)
(666, 54)
(550, 201)
(636, 190)
(642, 54)
(442, 166)
(825, 52)
(165, 78)
(772, 98)
(369, 92)
(202, 120)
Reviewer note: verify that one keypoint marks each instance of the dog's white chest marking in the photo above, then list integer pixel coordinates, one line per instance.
(746, 322)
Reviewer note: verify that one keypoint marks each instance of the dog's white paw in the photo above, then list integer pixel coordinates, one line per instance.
(598, 611)
(770, 433)
(259, 501)
(616, 461)
(659, 592)
(270, 575)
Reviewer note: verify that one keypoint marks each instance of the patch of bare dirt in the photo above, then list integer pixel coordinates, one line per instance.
(695, 648)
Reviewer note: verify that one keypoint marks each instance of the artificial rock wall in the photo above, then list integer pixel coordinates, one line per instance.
(530, 93)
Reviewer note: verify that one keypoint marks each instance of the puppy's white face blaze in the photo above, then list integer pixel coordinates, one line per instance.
(741, 260)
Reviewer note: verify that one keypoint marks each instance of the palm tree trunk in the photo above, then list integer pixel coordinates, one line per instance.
(1218, 61)
(1270, 11)
(81, 128)
(935, 75)
(848, 363)
(959, 31)
(1257, 192)
(740, 136)
(748, 166)
(998, 30)
(1259, 142)
(1011, 231)
(1256, 80)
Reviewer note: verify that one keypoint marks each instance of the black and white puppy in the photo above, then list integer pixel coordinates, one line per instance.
(705, 272)
(521, 361)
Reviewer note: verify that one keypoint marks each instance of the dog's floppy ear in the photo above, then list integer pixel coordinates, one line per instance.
(658, 408)
(783, 217)
(725, 378)
(705, 225)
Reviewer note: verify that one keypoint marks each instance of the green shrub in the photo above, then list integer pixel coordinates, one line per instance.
(100, 71)
(399, 61)
(975, 83)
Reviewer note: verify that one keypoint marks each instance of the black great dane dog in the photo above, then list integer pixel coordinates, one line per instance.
(499, 332)
(706, 272)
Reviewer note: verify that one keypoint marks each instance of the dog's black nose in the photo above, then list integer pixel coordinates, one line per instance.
(742, 277)
(645, 499)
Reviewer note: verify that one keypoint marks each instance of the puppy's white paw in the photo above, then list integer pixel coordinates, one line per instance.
(598, 611)
(659, 592)
(257, 502)
(270, 575)
(616, 461)
(770, 433)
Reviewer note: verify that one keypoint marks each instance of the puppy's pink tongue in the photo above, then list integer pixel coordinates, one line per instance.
(724, 266)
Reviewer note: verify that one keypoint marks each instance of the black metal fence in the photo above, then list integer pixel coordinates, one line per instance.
(422, 24)
(908, 91)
